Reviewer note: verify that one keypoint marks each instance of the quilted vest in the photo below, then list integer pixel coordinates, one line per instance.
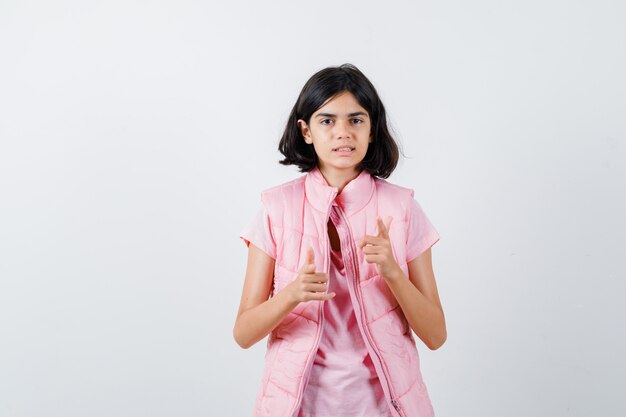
(299, 211)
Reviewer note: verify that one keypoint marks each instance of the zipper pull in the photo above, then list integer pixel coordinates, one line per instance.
(396, 404)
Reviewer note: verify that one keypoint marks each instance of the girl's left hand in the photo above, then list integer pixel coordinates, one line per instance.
(377, 249)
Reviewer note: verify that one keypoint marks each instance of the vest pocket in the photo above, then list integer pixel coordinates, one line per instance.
(377, 297)
(283, 327)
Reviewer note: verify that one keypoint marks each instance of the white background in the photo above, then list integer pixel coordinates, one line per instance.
(136, 137)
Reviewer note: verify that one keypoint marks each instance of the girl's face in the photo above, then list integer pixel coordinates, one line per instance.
(340, 123)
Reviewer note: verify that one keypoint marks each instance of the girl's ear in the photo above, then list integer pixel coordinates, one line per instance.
(306, 132)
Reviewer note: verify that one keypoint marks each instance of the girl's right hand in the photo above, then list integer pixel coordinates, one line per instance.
(309, 285)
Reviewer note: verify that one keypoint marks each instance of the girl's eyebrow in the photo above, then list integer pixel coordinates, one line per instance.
(356, 113)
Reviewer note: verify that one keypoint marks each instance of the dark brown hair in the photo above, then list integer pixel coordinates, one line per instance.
(382, 153)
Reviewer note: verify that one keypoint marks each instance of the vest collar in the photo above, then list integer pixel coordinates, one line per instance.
(354, 196)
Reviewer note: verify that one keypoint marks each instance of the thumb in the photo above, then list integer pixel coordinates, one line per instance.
(383, 226)
(309, 259)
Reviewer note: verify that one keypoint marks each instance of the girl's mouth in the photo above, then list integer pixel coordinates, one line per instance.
(346, 150)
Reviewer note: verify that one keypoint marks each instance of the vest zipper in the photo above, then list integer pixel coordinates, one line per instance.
(396, 405)
(359, 296)
(321, 327)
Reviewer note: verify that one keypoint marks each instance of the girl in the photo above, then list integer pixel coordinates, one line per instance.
(339, 290)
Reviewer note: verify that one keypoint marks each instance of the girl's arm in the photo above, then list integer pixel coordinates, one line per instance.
(417, 296)
(419, 300)
(258, 315)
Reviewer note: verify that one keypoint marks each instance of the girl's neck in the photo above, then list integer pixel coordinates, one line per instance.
(338, 178)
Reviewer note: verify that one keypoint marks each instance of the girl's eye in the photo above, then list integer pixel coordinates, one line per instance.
(326, 120)
(357, 121)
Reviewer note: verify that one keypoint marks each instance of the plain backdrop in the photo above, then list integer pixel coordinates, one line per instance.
(136, 137)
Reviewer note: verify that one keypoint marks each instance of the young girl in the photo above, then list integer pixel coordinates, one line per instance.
(339, 267)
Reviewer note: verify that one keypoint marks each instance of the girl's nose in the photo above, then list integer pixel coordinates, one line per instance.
(343, 129)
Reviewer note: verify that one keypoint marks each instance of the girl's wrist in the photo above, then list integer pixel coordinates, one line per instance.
(288, 299)
(395, 275)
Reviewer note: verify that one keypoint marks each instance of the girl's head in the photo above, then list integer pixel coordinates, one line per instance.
(339, 106)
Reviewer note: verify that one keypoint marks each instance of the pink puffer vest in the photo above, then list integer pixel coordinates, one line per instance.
(299, 213)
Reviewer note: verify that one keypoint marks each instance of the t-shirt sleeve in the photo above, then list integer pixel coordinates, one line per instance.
(421, 234)
(259, 232)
